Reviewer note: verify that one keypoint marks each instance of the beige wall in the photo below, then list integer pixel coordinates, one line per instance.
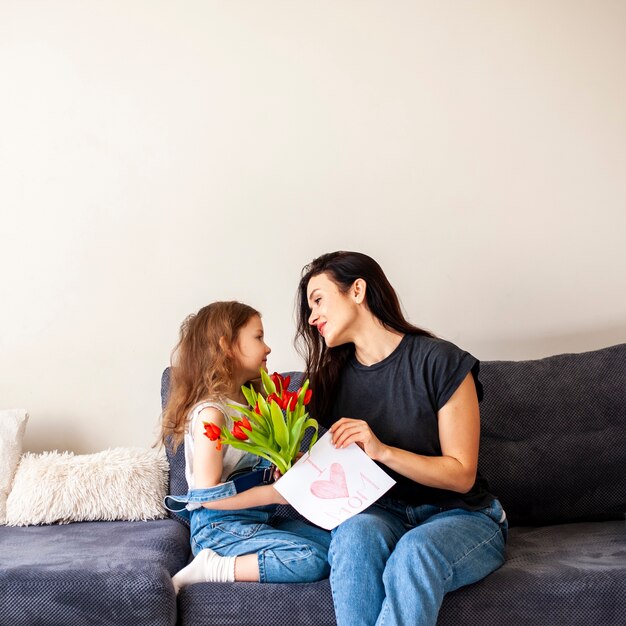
(158, 155)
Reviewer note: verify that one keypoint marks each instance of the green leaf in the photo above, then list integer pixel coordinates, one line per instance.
(303, 392)
(241, 409)
(260, 425)
(289, 419)
(296, 436)
(268, 384)
(263, 406)
(270, 455)
(250, 395)
(310, 423)
(281, 435)
(255, 419)
(257, 438)
(266, 416)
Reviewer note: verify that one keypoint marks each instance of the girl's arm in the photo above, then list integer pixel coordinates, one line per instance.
(207, 460)
(257, 496)
(207, 470)
(459, 434)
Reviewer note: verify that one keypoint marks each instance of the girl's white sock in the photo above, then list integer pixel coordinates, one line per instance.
(207, 567)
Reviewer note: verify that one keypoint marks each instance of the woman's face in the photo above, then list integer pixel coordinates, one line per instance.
(332, 312)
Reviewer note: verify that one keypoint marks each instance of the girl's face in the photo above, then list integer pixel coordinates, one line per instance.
(333, 313)
(250, 349)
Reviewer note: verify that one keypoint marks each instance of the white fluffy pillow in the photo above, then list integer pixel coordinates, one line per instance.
(116, 484)
(12, 427)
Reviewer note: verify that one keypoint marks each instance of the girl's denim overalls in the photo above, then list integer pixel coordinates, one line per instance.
(288, 550)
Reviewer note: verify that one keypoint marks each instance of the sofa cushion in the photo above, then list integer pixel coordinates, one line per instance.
(97, 573)
(571, 574)
(12, 427)
(257, 604)
(553, 443)
(116, 484)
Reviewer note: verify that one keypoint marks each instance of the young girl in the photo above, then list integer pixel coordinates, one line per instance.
(233, 535)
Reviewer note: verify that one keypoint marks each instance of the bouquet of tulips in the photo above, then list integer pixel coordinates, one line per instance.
(274, 426)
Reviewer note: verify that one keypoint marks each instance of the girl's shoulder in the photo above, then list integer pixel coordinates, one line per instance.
(206, 404)
(222, 406)
(198, 408)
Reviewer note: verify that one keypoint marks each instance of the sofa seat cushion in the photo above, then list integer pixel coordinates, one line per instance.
(571, 574)
(97, 573)
(257, 604)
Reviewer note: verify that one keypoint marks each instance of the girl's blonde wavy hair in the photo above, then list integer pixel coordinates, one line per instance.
(202, 363)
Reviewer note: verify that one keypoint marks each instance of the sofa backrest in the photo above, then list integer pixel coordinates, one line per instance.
(177, 480)
(553, 436)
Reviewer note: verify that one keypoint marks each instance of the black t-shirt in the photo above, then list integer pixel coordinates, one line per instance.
(399, 398)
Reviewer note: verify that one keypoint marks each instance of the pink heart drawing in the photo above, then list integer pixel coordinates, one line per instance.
(335, 487)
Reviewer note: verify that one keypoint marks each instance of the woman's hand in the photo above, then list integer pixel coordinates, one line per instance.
(347, 430)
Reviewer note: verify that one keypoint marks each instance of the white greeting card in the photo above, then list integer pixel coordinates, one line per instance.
(329, 485)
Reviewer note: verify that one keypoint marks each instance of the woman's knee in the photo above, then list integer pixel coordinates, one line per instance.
(369, 533)
(455, 554)
(420, 554)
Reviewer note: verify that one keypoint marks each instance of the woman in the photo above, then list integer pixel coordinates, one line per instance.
(410, 401)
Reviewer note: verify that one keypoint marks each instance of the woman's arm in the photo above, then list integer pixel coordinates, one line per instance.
(459, 435)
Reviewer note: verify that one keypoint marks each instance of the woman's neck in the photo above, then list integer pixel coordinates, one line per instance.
(374, 342)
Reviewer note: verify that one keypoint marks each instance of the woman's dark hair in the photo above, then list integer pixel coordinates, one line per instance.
(323, 364)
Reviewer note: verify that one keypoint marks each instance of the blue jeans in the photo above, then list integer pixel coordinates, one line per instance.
(288, 550)
(392, 564)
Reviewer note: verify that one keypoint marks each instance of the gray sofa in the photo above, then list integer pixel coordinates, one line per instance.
(553, 448)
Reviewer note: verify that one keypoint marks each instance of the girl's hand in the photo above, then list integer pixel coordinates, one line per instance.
(347, 430)
(279, 498)
(277, 473)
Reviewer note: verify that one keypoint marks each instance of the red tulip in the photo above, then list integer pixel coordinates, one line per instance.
(212, 431)
(245, 423)
(256, 409)
(280, 383)
(238, 433)
(293, 402)
(277, 379)
(286, 400)
(307, 395)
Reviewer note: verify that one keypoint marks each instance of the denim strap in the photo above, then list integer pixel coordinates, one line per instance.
(178, 504)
